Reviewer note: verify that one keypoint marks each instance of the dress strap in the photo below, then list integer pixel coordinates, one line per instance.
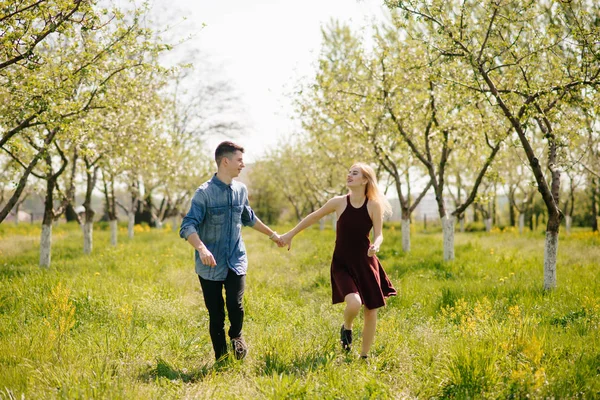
(365, 203)
(356, 208)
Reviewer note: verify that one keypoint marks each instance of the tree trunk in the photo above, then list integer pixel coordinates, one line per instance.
(91, 173)
(462, 224)
(130, 224)
(448, 230)
(594, 218)
(550, 253)
(87, 237)
(406, 234)
(334, 221)
(322, 224)
(488, 224)
(568, 222)
(175, 222)
(511, 210)
(113, 231)
(521, 223)
(46, 238)
(46, 245)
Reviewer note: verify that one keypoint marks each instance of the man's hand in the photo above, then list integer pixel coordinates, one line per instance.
(207, 257)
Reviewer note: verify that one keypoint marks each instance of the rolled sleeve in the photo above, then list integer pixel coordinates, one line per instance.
(248, 217)
(194, 217)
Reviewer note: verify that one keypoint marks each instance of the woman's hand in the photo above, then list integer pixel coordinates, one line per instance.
(372, 250)
(287, 240)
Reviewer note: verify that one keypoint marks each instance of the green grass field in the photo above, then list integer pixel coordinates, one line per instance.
(128, 322)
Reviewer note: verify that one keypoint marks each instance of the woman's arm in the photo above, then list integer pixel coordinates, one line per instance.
(377, 219)
(310, 219)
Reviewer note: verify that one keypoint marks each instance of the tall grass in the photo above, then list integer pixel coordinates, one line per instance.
(128, 322)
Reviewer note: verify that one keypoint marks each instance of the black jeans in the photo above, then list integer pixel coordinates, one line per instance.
(213, 298)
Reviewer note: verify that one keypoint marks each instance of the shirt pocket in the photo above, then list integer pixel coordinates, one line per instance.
(216, 217)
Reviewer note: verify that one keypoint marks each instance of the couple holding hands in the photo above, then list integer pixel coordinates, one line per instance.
(213, 227)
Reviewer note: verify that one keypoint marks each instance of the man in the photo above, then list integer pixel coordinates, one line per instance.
(213, 227)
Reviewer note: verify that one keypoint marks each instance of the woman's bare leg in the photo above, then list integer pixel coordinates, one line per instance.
(368, 335)
(353, 304)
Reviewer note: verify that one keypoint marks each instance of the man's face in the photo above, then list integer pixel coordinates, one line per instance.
(234, 164)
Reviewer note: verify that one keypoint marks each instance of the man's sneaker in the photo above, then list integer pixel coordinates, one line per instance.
(240, 349)
(346, 338)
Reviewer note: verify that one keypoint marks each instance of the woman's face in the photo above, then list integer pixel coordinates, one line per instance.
(355, 177)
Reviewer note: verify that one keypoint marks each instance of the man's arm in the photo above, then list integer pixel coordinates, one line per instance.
(191, 221)
(262, 228)
(205, 255)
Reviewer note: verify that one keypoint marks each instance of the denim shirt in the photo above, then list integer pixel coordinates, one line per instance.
(217, 214)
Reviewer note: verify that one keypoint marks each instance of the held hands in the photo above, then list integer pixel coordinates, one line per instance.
(282, 240)
(287, 240)
(277, 239)
(372, 250)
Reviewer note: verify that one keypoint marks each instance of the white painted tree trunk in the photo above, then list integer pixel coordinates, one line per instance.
(334, 221)
(568, 223)
(45, 246)
(521, 223)
(448, 229)
(131, 222)
(406, 235)
(550, 253)
(87, 237)
(322, 224)
(113, 232)
(462, 225)
(488, 224)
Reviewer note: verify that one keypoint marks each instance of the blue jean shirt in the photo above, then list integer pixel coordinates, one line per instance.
(217, 214)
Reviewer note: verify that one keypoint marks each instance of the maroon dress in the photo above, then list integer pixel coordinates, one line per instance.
(352, 270)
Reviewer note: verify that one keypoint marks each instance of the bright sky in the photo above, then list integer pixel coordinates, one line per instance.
(264, 48)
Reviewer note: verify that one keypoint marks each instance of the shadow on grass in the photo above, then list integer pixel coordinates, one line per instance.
(163, 369)
(273, 362)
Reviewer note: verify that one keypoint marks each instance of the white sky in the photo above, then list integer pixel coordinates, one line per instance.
(264, 48)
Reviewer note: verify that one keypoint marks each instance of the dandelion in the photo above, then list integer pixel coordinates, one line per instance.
(492, 251)
(97, 274)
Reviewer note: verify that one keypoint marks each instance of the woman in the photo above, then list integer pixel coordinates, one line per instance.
(356, 274)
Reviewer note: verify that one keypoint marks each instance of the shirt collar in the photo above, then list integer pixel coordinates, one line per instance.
(219, 182)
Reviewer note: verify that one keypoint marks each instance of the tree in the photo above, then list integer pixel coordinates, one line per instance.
(528, 58)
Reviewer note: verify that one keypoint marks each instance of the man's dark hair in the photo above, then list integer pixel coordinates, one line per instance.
(226, 149)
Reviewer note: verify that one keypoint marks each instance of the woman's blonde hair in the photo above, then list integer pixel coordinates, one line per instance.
(372, 190)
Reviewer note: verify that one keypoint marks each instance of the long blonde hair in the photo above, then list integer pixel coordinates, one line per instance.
(372, 190)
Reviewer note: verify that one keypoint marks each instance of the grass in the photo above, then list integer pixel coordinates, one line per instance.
(128, 322)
